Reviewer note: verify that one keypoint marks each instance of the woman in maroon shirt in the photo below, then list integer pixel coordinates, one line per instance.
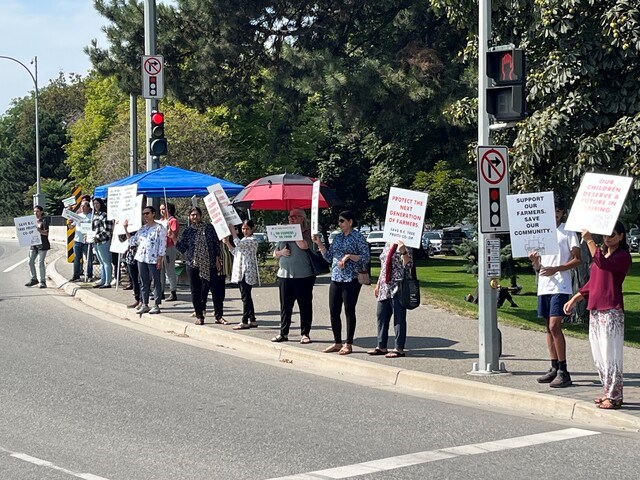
(603, 293)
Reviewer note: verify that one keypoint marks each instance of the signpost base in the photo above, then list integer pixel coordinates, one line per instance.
(489, 370)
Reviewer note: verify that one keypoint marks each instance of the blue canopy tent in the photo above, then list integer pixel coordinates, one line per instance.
(171, 182)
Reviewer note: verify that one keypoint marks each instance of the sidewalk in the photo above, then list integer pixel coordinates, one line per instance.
(442, 348)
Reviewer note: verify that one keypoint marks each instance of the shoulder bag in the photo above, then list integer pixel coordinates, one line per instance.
(409, 290)
(318, 263)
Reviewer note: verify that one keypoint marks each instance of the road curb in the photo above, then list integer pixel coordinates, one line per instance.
(482, 394)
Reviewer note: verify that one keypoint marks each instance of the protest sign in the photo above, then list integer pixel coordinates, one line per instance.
(284, 233)
(229, 212)
(27, 231)
(69, 215)
(532, 224)
(121, 203)
(405, 216)
(67, 202)
(134, 218)
(217, 217)
(315, 207)
(598, 203)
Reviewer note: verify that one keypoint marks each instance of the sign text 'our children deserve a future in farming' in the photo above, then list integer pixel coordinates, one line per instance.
(405, 216)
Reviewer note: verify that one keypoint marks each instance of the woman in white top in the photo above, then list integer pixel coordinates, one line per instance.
(245, 270)
(151, 241)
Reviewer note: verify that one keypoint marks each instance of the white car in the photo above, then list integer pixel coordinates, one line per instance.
(432, 242)
(375, 241)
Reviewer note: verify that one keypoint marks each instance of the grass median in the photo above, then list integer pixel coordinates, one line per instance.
(445, 283)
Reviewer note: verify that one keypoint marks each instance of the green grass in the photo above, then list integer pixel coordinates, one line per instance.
(445, 283)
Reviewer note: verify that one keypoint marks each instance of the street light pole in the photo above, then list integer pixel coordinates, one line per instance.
(38, 198)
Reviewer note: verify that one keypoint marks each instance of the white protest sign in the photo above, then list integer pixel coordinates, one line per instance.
(90, 236)
(405, 216)
(284, 233)
(67, 202)
(230, 214)
(118, 246)
(69, 215)
(27, 231)
(121, 203)
(134, 219)
(598, 203)
(217, 217)
(315, 207)
(84, 227)
(532, 224)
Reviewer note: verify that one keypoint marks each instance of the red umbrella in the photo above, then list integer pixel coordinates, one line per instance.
(283, 192)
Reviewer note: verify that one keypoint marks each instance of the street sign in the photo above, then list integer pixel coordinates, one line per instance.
(493, 258)
(493, 188)
(152, 76)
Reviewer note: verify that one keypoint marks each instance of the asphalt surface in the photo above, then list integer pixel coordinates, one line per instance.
(442, 349)
(86, 394)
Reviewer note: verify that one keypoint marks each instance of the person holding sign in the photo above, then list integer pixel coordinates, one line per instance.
(603, 293)
(201, 249)
(39, 252)
(168, 212)
(245, 270)
(396, 259)
(348, 254)
(80, 245)
(295, 280)
(151, 243)
(554, 290)
(103, 230)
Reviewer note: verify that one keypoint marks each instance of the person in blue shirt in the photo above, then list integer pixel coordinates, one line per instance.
(347, 255)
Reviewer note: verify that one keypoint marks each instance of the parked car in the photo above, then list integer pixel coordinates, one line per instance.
(634, 239)
(375, 241)
(452, 237)
(432, 242)
(332, 235)
(260, 237)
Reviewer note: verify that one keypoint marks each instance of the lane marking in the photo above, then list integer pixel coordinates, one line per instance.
(402, 461)
(16, 265)
(45, 463)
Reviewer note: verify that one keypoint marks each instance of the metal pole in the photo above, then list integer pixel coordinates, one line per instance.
(488, 343)
(38, 198)
(133, 134)
(151, 104)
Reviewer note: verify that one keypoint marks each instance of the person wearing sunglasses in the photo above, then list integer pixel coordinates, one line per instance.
(295, 280)
(151, 244)
(603, 293)
(347, 255)
(200, 247)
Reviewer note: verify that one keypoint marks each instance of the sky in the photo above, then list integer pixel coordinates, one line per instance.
(56, 31)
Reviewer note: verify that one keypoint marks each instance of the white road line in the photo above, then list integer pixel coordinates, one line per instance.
(44, 463)
(401, 461)
(16, 265)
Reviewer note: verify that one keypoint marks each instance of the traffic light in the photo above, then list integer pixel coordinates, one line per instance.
(506, 97)
(157, 142)
(494, 207)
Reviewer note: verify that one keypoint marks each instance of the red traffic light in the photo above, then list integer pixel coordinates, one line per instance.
(157, 118)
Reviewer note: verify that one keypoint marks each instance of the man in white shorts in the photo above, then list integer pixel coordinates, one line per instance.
(554, 290)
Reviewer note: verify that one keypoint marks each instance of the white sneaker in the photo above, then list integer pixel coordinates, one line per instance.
(155, 309)
(143, 309)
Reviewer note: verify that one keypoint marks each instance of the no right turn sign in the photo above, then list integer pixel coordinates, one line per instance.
(493, 188)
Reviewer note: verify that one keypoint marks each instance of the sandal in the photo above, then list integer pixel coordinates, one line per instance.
(253, 324)
(305, 340)
(336, 347)
(241, 326)
(280, 338)
(221, 321)
(345, 350)
(395, 354)
(609, 404)
(199, 321)
(377, 351)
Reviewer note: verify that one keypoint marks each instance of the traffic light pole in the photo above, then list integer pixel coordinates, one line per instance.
(488, 335)
(151, 104)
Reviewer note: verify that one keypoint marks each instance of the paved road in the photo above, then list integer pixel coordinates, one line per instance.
(84, 397)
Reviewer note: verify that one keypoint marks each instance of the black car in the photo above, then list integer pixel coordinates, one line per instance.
(634, 239)
(452, 237)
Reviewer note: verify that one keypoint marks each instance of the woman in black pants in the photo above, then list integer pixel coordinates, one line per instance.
(200, 246)
(348, 254)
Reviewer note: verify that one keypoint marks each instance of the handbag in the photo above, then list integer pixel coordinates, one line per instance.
(409, 290)
(318, 263)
